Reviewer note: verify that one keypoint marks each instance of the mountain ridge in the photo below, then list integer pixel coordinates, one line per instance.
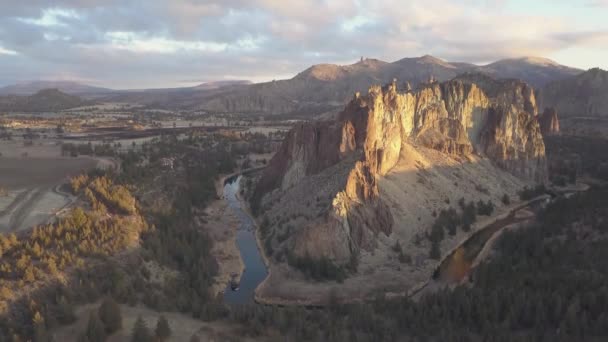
(326, 87)
(68, 87)
(44, 100)
(585, 94)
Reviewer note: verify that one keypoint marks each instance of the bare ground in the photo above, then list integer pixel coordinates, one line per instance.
(33, 181)
(221, 225)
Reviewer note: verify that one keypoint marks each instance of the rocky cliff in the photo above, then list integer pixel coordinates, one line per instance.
(376, 131)
(548, 122)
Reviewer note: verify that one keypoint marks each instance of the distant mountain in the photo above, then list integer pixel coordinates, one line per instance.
(45, 100)
(68, 87)
(327, 87)
(220, 84)
(534, 70)
(583, 95)
(183, 97)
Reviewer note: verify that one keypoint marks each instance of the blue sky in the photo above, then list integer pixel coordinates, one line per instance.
(159, 43)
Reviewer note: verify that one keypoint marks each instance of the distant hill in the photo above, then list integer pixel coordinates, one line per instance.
(68, 87)
(43, 101)
(536, 71)
(183, 97)
(583, 95)
(220, 84)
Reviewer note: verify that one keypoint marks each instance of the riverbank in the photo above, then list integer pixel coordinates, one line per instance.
(220, 221)
(222, 224)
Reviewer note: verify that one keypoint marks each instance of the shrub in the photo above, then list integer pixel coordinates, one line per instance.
(485, 208)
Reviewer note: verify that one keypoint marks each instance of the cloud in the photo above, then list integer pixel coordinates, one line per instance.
(134, 43)
(598, 3)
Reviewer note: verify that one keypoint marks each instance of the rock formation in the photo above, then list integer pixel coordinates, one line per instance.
(548, 122)
(457, 118)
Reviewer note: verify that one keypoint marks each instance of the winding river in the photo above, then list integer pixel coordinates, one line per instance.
(255, 269)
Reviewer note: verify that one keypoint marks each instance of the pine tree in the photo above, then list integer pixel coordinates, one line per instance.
(109, 313)
(141, 333)
(40, 332)
(163, 330)
(435, 252)
(95, 330)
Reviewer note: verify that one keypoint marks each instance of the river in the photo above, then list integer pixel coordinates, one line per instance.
(457, 266)
(255, 269)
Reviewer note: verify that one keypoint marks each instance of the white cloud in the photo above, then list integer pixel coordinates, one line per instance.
(51, 17)
(122, 41)
(4, 51)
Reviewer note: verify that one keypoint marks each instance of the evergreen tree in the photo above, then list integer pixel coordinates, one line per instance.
(109, 313)
(95, 332)
(163, 330)
(40, 332)
(435, 252)
(141, 333)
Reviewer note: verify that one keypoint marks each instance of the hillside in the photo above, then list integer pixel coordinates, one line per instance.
(43, 101)
(396, 164)
(583, 95)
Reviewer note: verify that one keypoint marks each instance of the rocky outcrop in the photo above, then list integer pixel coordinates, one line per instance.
(548, 122)
(456, 117)
(307, 149)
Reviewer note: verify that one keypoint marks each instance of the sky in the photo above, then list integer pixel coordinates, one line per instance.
(170, 43)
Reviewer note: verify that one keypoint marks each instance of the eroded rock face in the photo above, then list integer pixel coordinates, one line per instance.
(307, 149)
(512, 139)
(548, 122)
(455, 117)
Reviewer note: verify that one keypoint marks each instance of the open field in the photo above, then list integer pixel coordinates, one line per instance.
(19, 173)
(32, 188)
